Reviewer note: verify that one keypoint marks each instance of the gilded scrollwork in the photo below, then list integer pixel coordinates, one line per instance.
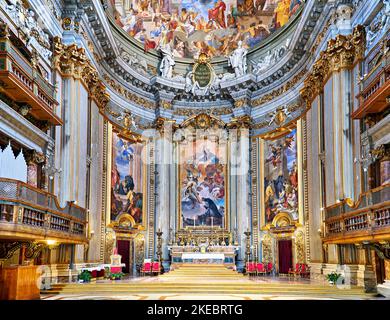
(277, 92)
(300, 247)
(128, 95)
(267, 248)
(71, 61)
(342, 52)
(190, 112)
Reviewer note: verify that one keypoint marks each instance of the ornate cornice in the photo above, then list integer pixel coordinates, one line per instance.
(343, 52)
(242, 122)
(278, 92)
(133, 97)
(71, 61)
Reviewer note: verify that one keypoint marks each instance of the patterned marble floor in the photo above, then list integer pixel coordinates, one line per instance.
(203, 297)
(206, 283)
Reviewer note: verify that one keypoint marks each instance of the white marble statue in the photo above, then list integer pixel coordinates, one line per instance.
(167, 62)
(227, 76)
(262, 64)
(371, 35)
(188, 79)
(14, 10)
(386, 14)
(238, 60)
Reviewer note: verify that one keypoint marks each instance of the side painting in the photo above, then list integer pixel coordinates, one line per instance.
(126, 179)
(281, 177)
(202, 184)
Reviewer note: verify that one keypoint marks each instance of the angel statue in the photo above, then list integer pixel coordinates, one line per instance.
(128, 120)
(167, 62)
(386, 14)
(238, 60)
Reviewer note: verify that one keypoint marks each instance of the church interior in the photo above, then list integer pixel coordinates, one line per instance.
(217, 149)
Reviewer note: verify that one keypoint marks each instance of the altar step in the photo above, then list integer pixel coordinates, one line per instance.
(193, 288)
(201, 279)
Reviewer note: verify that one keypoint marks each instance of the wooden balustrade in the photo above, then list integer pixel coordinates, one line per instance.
(25, 84)
(359, 222)
(374, 90)
(29, 212)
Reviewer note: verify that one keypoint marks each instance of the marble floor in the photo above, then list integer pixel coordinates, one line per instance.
(206, 284)
(206, 297)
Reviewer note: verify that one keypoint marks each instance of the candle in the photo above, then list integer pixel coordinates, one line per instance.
(194, 221)
(212, 222)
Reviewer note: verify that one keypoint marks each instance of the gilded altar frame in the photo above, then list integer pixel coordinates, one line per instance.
(277, 135)
(206, 123)
(125, 222)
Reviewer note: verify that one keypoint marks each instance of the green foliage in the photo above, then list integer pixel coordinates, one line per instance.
(115, 276)
(333, 277)
(85, 275)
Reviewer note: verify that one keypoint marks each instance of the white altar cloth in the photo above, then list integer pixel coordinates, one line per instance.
(201, 256)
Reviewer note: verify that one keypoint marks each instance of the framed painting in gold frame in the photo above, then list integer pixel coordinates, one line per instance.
(128, 183)
(203, 183)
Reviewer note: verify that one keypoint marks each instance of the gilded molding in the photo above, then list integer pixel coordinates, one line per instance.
(129, 95)
(191, 112)
(343, 52)
(242, 122)
(203, 121)
(71, 61)
(277, 92)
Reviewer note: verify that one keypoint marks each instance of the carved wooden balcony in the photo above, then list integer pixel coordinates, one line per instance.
(22, 82)
(367, 220)
(375, 89)
(30, 213)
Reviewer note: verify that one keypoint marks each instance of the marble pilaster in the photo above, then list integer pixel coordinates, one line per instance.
(164, 168)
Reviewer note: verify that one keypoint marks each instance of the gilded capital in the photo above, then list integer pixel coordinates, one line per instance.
(71, 61)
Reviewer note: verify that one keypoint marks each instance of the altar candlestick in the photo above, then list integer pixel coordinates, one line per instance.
(212, 222)
(194, 221)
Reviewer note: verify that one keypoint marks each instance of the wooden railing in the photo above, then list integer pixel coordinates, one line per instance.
(27, 212)
(26, 84)
(374, 89)
(367, 219)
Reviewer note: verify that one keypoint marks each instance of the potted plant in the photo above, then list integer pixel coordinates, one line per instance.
(85, 276)
(333, 277)
(116, 276)
(107, 273)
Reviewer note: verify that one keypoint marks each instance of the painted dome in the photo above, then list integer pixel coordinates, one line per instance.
(192, 27)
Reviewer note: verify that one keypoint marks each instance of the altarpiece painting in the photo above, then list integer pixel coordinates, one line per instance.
(127, 185)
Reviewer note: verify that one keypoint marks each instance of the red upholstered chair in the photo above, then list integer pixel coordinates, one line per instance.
(296, 271)
(305, 271)
(146, 268)
(156, 267)
(260, 269)
(251, 268)
(270, 266)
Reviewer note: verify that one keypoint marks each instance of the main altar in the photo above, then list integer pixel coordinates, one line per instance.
(203, 245)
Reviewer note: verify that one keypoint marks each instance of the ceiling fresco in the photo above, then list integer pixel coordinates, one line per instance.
(213, 27)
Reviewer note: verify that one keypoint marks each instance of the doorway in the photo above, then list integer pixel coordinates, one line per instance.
(285, 256)
(124, 250)
(379, 269)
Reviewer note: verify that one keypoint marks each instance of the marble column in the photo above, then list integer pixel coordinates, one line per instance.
(73, 141)
(240, 164)
(346, 134)
(164, 167)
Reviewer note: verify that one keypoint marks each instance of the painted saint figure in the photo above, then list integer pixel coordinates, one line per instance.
(218, 13)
